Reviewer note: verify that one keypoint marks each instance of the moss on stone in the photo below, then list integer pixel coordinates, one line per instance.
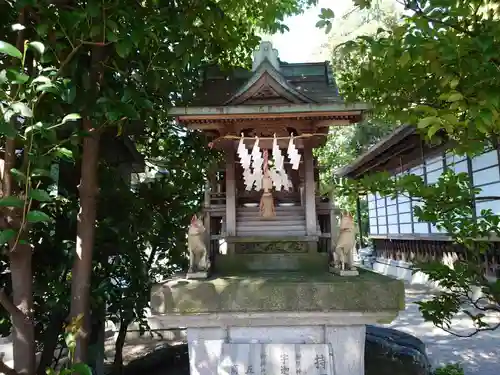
(252, 263)
(279, 291)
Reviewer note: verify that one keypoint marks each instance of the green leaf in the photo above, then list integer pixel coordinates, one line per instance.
(18, 175)
(48, 87)
(95, 30)
(16, 77)
(433, 129)
(37, 217)
(6, 235)
(22, 109)
(426, 109)
(37, 46)
(9, 49)
(454, 83)
(38, 172)
(41, 79)
(81, 368)
(320, 24)
(42, 29)
(111, 36)
(123, 48)
(486, 116)
(405, 58)
(11, 201)
(71, 117)
(32, 128)
(328, 28)
(427, 121)
(40, 195)
(451, 118)
(64, 153)
(455, 96)
(7, 129)
(327, 13)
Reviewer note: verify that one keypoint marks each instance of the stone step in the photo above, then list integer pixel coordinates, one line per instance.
(265, 229)
(280, 234)
(271, 223)
(279, 216)
(277, 208)
(279, 213)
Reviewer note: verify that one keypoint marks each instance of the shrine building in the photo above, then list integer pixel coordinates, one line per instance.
(398, 237)
(279, 105)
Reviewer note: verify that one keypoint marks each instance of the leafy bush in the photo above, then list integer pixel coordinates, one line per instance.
(450, 369)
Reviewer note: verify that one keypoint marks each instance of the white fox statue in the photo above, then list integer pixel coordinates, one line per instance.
(198, 257)
(342, 255)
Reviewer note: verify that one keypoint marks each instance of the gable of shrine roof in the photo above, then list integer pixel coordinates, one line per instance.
(267, 84)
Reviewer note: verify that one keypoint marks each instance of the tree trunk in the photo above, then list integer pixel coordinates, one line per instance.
(20, 255)
(120, 342)
(82, 266)
(85, 230)
(50, 340)
(23, 335)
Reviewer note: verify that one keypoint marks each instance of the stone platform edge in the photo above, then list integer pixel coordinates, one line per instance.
(271, 319)
(284, 292)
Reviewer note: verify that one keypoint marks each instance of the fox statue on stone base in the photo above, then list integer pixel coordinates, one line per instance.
(342, 254)
(198, 256)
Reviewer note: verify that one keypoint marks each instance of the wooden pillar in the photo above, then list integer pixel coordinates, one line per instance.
(334, 223)
(310, 191)
(360, 224)
(230, 193)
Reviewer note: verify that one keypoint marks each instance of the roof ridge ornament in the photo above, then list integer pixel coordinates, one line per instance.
(265, 51)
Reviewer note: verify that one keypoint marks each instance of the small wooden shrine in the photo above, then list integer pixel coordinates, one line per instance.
(265, 198)
(271, 305)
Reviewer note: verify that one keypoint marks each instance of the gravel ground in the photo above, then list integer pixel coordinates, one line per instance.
(479, 354)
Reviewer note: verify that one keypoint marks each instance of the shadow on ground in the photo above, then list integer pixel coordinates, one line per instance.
(479, 354)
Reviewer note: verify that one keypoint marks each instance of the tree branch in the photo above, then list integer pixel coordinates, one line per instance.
(10, 307)
(4, 369)
(418, 11)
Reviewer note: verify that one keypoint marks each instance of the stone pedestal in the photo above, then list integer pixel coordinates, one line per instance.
(277, 323)
(338, 271)
(197, 275)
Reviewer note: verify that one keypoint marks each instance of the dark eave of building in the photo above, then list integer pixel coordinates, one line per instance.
(382, 156)
(404, 148)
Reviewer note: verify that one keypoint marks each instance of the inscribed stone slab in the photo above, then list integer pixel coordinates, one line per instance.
(275, 359)
(280, 359)
(315, 359)
(240, 359)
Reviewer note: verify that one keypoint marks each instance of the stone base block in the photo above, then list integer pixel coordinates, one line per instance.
(197, 275)
(340, 272)
(322, 350)
(284, 292)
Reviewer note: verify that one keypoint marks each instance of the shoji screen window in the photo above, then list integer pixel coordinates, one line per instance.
(372, 214)
(405, 217)
(381, 214)
(392, 215)
(486, 176)
(418, 227)
(434, 168)
(456, 163)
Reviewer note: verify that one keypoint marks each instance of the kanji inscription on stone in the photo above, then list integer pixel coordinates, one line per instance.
(275, 359)
(315, 359)
(280, 359)
(240, 359)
